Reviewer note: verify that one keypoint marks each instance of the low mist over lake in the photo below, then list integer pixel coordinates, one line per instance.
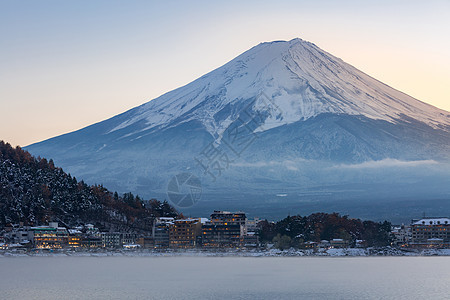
(224, 278)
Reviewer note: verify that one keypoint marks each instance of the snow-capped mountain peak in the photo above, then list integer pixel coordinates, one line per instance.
(302, 80)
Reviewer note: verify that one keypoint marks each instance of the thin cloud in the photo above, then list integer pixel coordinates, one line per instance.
(288, 164)
(387, 163)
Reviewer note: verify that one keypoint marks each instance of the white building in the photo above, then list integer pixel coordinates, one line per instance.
(402, 235)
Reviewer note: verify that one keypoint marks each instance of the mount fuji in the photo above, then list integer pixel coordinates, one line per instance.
(284, 127)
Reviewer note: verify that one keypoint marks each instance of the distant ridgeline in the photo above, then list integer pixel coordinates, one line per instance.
(34, 191)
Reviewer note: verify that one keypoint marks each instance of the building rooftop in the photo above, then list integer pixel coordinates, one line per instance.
(432, 221)
(188, 220)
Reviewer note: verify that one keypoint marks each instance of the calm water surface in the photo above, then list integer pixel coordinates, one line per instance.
(224, 278)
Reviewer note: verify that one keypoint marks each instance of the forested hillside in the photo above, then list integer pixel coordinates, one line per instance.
(35, 191)
(293, 231)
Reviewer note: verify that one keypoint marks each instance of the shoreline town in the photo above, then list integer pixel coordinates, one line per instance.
(223, 234)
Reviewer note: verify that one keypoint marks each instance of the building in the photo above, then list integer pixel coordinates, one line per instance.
(91, 241)
(183, 233)
(222, 235)
(111, 240)
(146, 242)
(19, 234)
(131, 246)
(117, 239)
(90, 229)
(252, 225)
(128, 238)
(160, 231)
(74, 239)
(50, 237)
(251, 240)
(161, 221)
(161, 235)
(361, 244)
(430, 232)
(402, 235)
(227, 230)
(339, 243)
(228, 218)
(309, 245)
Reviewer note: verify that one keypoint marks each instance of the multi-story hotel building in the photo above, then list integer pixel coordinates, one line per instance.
(225, 230)
(431, 232)
(50, 237)
(221, 235)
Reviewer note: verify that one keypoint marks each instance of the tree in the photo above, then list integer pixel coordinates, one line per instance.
(282, 242)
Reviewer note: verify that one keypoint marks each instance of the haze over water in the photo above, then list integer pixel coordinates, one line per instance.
(224, 278)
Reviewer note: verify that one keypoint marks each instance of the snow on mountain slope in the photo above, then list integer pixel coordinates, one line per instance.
(302, 80)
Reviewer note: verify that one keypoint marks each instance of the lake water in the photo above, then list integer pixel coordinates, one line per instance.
(225, 278)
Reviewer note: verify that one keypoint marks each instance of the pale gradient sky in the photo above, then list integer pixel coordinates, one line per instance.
(67, 64)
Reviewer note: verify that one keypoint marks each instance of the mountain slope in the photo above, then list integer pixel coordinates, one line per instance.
(299, 113)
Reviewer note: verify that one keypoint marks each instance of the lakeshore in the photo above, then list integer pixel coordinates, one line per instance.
(333, 252)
